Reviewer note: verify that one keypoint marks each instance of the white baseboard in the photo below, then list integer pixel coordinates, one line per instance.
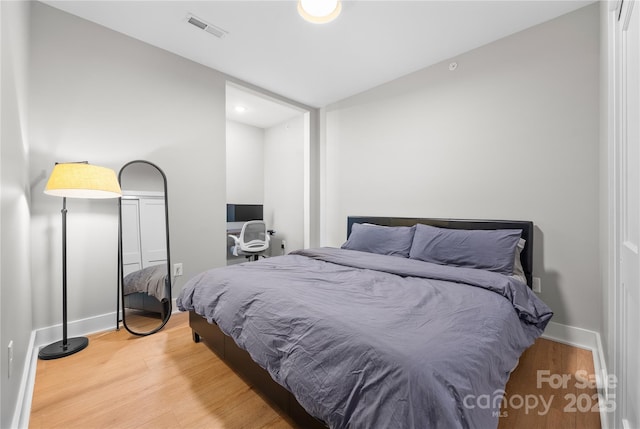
(44, 336)
(588, 340)
(577, 337)
(82, 327)
(76, 328)
(25, 393)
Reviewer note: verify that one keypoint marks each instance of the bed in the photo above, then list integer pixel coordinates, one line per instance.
(394, 329)
(148, 290)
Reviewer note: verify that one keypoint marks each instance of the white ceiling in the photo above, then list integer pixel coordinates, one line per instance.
(270, 46)
(259, 110)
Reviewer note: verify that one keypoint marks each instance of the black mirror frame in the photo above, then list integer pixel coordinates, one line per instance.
(120, 299)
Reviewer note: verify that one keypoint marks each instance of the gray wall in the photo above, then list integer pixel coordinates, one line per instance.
(15, 291)
(245, 163)
(512, 133)
(101, 96)
(284, 183)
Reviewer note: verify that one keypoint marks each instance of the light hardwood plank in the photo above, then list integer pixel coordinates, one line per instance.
(161, 381)
(167, 381)
(547, 371)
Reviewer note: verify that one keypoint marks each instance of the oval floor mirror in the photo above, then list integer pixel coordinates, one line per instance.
(143, 249)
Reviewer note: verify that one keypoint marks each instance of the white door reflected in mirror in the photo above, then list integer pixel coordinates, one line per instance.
(144, 263)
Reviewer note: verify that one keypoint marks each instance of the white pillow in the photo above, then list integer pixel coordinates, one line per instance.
(518, 271)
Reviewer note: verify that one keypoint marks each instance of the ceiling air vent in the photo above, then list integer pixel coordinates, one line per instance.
(209, 28)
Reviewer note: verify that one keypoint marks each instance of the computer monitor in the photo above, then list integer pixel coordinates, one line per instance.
(244, 212)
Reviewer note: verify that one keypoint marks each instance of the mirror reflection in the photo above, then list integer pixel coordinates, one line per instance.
(145, 281)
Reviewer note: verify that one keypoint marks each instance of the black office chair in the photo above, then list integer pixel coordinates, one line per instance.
(253, 241)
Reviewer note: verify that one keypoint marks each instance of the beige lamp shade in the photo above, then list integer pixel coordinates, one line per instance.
(82, 180)
(319, 11)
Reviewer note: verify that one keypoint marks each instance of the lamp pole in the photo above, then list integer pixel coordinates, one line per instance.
(64, 273)
(66, 346)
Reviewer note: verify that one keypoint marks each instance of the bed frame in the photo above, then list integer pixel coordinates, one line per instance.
(238, 359)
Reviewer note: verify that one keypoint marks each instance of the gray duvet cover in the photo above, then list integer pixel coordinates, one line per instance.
(373, 341)
(151, 280)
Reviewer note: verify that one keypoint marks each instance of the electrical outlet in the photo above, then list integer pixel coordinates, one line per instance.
(10, 356)
(537, 285)
(177, 269)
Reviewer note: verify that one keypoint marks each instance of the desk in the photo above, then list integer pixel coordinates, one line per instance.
(234, 228)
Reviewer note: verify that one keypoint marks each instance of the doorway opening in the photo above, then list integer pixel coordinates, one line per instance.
(268, 165)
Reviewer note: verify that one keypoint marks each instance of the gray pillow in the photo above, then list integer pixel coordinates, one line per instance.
(383, 240)
(491, 250)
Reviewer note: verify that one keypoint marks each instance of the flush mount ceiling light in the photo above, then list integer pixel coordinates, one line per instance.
(319, 11)
(240, 109)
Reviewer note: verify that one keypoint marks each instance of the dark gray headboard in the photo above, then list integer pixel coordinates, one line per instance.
(526, 256)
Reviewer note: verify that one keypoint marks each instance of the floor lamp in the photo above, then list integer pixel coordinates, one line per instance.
(75, 180)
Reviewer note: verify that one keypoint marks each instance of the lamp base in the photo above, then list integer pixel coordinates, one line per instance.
(58, 350)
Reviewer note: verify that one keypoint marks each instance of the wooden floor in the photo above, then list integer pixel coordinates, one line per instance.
(167, 381)
(559, 375)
